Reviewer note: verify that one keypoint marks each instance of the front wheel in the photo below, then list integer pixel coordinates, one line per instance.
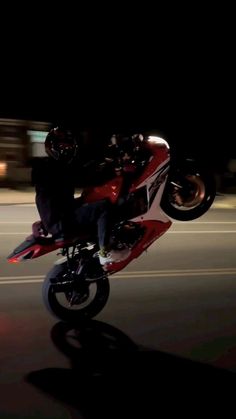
(188, 195)
(75, 301)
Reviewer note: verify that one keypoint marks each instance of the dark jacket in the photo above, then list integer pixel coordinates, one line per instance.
(55, 184)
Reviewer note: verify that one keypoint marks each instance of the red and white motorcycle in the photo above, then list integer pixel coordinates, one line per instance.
(77, 287)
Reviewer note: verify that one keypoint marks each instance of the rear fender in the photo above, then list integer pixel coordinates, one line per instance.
(32, 248)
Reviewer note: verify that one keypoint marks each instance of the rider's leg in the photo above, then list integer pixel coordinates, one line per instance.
(95, 216)
(99, 215)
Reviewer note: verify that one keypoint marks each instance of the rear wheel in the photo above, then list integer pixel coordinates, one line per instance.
(188, 195)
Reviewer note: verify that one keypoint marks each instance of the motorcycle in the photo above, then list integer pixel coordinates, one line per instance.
(77, 287)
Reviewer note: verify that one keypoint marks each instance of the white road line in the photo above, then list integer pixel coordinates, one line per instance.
(168, 232)
(22, 277)
(174, 222)
(170, 271)
(204, 222)
(201, 232)
(23, 281)
(16, 234)
(15, 205)
(175, 274)
(16, 222)
(8, 280)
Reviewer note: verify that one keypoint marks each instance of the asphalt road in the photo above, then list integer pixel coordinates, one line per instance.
(171, 317)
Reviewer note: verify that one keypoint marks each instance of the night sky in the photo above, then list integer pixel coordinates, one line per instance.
(186, 94)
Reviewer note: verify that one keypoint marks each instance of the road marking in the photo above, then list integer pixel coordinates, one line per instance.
(168, 232)
(34, 279)
(23, 205)
(12, 282)
(201, 232)
(14, 204)
(22, 277)
(14, 234)
(204, 222)
(161, 271)
(174, 222)
(16, 222)
(174, 274)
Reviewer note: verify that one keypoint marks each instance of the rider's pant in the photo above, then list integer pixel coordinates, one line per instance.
(95, 216)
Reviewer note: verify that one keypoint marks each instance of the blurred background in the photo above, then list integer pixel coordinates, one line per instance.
(21, 140)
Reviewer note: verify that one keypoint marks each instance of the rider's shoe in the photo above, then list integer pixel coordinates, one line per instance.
(113, 256)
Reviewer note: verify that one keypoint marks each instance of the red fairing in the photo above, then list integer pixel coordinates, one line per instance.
(111, 191)
(35, 251)
(154, 229)
(112, 188)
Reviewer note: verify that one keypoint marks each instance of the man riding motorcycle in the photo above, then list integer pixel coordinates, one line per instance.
(63, 216)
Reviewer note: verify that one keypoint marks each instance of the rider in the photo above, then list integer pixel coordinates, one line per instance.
(63, 216)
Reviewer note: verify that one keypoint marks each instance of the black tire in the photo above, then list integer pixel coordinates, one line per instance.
(78, 313)
(186, 211)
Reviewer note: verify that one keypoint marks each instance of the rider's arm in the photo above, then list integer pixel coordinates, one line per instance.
(94, 173)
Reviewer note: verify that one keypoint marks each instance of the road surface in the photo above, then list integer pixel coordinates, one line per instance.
(171, 315)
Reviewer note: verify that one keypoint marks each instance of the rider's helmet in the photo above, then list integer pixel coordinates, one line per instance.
(61, 145)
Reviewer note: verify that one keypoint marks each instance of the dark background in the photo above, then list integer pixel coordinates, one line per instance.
(167, 72)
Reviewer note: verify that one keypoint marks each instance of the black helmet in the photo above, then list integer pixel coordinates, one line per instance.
(61, 145)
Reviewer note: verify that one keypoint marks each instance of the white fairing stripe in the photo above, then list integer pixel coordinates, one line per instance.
(155, 212)
(152, 177)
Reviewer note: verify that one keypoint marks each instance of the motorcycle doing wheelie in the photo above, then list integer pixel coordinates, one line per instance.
(77, 287)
